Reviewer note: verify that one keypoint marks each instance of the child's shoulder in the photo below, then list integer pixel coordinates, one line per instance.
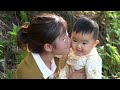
(94, 57)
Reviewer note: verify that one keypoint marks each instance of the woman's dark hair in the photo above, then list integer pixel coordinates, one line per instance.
(44, 28)
(85, 25)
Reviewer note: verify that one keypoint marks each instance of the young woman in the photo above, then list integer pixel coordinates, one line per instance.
(45, 37)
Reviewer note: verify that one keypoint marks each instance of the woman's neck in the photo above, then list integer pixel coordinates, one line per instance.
(47, 58)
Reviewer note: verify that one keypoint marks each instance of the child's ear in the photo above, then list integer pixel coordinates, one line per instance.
(96, 42)
(48, 47)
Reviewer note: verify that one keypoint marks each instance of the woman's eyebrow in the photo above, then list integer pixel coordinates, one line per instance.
(62, 35)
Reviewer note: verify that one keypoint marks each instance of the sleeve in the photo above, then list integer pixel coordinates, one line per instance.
(93, 68)
(63, 73)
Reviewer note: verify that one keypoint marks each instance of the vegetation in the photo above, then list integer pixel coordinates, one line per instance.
(109, 47)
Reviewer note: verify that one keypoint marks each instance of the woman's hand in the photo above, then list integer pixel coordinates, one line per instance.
(78, 74)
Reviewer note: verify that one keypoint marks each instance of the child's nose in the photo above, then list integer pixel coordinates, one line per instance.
(79, 46)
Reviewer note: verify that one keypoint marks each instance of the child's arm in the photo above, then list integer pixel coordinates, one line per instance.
(68, 73)
(93, 69)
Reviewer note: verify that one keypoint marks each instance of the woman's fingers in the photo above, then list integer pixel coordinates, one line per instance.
(77, 74)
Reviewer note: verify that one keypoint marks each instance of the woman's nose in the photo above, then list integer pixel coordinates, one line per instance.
(69, 40)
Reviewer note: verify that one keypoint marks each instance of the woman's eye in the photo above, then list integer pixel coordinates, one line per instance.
(64, 39)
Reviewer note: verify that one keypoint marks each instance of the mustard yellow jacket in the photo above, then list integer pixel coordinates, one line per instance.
(28, 69)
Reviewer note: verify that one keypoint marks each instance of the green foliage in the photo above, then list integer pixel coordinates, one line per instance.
(11, 45)
(105, 77)
(24, 16)
(14, 31)
(20, 53)
(113, 30)
(118, 74)
(11, 39)
(111, 59)
(1, 51)
(109, 52)
(9, 74)
(20, 56)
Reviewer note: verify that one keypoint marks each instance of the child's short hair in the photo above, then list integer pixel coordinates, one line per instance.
(85, 25)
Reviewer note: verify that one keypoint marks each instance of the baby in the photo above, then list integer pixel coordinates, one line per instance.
(84, 39)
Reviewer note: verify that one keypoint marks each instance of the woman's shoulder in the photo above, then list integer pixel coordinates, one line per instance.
(28, 68)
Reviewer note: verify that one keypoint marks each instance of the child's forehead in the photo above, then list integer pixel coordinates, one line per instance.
(82, 35)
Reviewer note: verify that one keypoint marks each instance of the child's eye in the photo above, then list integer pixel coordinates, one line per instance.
(84, 43)
(74, 41)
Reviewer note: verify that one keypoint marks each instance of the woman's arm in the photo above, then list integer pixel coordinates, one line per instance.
(78, 74)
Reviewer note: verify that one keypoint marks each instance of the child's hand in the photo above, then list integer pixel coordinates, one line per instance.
(78, 74)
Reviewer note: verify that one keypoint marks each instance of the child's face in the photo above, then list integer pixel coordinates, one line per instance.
(82, 44)
(63, 45)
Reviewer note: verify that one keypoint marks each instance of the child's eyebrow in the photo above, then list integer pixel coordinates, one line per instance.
(85, 41)
(73, 37)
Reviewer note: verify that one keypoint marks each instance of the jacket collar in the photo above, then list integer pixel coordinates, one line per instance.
(47, 73)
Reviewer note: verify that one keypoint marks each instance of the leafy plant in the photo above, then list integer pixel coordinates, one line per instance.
(1, 51)
(111, 59)
(14, 31)
(24, 16)
(9, 74)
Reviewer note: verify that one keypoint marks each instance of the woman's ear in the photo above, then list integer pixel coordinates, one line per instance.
(48, 47)
(96, 42)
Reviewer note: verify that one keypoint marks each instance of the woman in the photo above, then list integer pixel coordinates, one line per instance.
(45, 37)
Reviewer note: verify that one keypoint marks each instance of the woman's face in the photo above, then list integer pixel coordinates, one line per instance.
(63, 45)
